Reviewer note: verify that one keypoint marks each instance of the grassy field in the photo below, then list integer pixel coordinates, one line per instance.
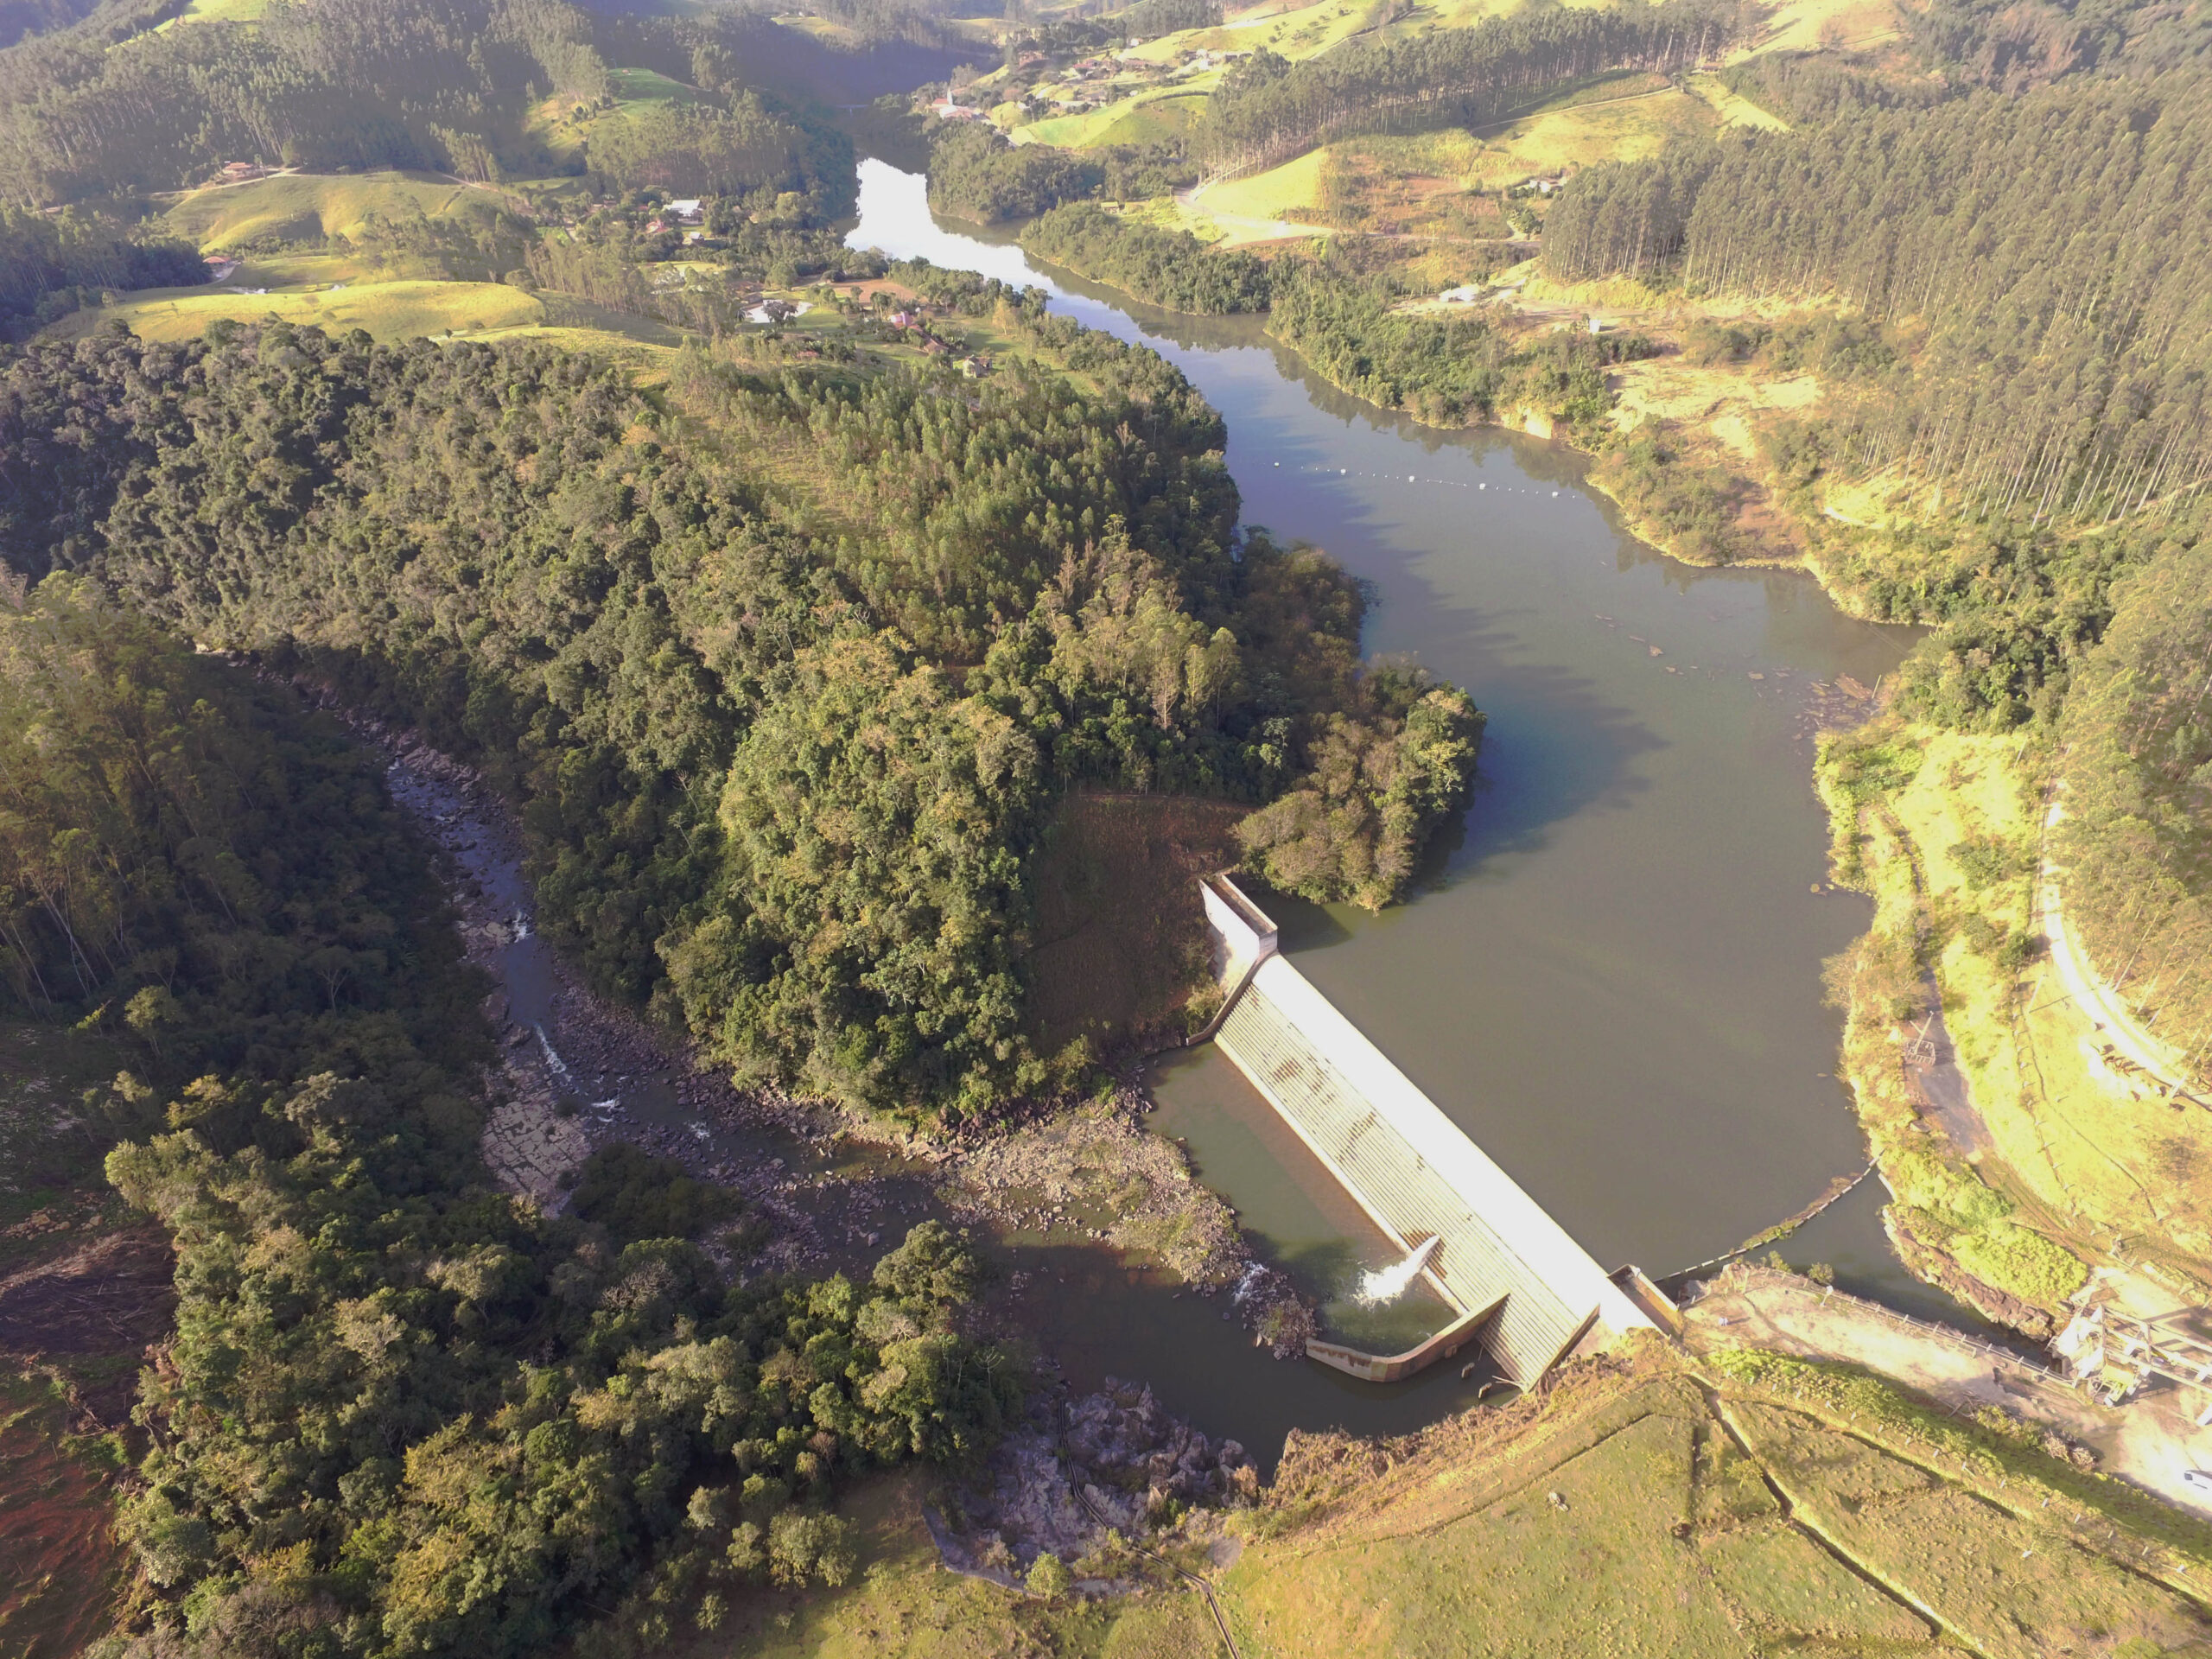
(1959, 1214)
(397, 310)
(1621, 118)
(217, 11)
(1733, 109)
(1280, 192)
(1763, 1507)
(1746, 1507)
(1805, 25)
(1583, 133)
(565, 128)
(308, 207)
(1147, 118)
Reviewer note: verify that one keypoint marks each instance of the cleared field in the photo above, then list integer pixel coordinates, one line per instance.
(1290, 31)
(1119, 930)
(1401, 180)
(59, 1565)
(1635, 1513)
(1804, 25)
(217, 11)
(1733, 109)
(1554, 140)
(563, 129)
(1292, 188)
(648, 86)
(389, 311)
(1150, 113)
(308, 207)
(1145, 118)
(1156, 120)
(1465, 14)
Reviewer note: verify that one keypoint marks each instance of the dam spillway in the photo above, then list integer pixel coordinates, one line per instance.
(1522, 1288)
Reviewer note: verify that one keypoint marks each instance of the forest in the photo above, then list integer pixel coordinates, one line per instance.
(2061, 378)
(1165, 268)
(2136, 837)
(401, 1414)
(99, 109)
(974, 174)
(1268, 109)
(50, 264)
(592, 592)
(1350, 325)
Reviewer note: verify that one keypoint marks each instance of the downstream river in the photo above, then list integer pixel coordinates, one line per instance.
(1612, 980)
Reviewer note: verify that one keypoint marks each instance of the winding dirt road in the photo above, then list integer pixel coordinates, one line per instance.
(2107, 1011)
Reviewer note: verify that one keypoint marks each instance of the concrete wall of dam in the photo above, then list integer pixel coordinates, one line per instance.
(1531, 1292)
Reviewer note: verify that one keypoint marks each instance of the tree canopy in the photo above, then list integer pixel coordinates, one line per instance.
(783, 767)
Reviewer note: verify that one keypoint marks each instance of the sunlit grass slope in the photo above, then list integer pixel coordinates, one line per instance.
(396, 310)
(1762, 1507)
(308, 207)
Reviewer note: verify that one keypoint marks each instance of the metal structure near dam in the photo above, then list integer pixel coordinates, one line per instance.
(1521, 1289)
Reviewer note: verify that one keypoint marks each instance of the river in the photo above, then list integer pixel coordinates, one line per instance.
(1612, 979)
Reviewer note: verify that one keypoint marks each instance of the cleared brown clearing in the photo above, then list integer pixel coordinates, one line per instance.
(59, 1559)
(107, 1298)
(1121, 932)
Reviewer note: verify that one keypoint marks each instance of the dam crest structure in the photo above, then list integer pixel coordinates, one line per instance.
(1519, 1286)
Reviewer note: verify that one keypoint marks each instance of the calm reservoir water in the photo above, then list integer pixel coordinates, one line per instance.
(1612, 981)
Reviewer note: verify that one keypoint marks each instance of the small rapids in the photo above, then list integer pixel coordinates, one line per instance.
(1382, 1285)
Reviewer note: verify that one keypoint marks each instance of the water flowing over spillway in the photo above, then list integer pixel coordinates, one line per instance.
(1379, 1286)
(1613, 981)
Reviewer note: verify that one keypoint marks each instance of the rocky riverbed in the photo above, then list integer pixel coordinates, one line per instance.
(835, 1190)
(1086, 1476)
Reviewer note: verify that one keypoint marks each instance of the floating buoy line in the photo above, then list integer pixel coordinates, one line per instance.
(1412, 478)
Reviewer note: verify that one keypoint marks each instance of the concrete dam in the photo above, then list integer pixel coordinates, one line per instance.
(1521, 1288)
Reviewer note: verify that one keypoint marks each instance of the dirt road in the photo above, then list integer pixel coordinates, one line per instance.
(2147, 1443)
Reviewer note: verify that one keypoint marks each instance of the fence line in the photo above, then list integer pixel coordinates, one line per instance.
(1221, 1622)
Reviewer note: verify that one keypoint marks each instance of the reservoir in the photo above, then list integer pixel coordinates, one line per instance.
(1612, 981)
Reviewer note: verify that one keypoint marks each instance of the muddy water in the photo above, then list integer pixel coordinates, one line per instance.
(1612, 980)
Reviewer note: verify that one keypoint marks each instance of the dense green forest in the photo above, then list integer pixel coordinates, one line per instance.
(402, 1415)
(975, 173)
(98, 110)
(2136, 840)
(1268, 109)
(49, 265)
(1166, 268)
(2062, 375)
(593, 590)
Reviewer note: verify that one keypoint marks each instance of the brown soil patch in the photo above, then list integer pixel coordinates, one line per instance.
(111, 1295)
(1121, 931)
(59, 1559)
